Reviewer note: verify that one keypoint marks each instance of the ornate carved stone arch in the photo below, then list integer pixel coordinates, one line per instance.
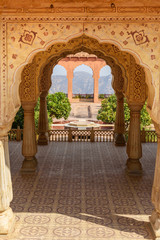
(135, 90)
(118, 82)
(45, 78)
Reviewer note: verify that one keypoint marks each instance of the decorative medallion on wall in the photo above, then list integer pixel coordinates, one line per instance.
(28, 37)
(139, 37)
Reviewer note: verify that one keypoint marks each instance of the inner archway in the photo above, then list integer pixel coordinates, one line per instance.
(71, 61)
(83, 82)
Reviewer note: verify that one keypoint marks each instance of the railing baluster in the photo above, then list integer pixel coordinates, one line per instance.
(92, 135)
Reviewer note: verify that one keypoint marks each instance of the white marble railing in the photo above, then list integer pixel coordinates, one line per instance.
(91, 135)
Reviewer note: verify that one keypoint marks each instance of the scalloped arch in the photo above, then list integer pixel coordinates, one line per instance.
(133, 73)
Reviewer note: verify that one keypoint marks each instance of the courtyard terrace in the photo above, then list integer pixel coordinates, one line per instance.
(81, 192)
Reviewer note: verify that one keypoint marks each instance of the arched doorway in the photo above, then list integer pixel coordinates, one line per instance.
(71, 61)
(83, 82)
(129, 79)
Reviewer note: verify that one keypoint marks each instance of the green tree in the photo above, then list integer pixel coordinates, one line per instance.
(107, 113)
(36, 113)
(19, 119)
(145, 118)
(58, 105)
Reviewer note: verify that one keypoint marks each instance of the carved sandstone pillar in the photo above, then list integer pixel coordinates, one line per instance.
(134, 148)
(96, 78)
(6, 215)
(43, 120)
(70, 79)
(29, 147)
(119, 122)
(155, 217)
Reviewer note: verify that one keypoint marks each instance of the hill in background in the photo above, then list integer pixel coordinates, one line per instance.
(83, 83)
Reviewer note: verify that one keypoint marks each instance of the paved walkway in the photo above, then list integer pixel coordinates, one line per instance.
(81, 192)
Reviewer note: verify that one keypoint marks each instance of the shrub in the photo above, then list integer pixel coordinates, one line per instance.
(107, 113)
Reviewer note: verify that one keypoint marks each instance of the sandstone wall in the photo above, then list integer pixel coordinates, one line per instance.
(27, 28)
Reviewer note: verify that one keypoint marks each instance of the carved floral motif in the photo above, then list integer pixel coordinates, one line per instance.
(28, 37)
(27, 86)
(139, 37)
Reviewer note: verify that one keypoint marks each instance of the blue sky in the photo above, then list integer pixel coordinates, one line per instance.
(82, 73)
(59, 70)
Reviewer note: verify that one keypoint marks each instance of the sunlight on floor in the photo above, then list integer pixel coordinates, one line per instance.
(57, 226)
(81, 192)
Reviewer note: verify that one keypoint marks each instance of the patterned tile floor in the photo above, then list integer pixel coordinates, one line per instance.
(81, 192)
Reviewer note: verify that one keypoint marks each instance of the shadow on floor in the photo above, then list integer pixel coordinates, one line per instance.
(84, 186)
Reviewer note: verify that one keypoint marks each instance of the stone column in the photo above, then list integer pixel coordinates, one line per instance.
(43, 120)
(155, 217)
(29, 147)
(96, 78)
(134, 147)
(7, 218)
(119, 122)
(70, 79)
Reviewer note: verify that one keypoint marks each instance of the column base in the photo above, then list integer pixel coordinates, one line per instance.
(119, 139)
(42, 140)
(29, 164)
(133, 167)
(95, 100)
(7, 221)
(70, 99)
(155, 224)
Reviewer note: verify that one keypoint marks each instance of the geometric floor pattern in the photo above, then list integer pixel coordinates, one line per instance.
(81, 192)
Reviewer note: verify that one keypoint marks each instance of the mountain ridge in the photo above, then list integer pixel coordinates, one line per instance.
(82, 83)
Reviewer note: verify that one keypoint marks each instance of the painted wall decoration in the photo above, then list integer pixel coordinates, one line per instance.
(27, 37)
(139, 37)
(30, 36)
(23, 36)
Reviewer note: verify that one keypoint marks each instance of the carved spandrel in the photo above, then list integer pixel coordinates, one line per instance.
(135, 84)
(28, 84)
